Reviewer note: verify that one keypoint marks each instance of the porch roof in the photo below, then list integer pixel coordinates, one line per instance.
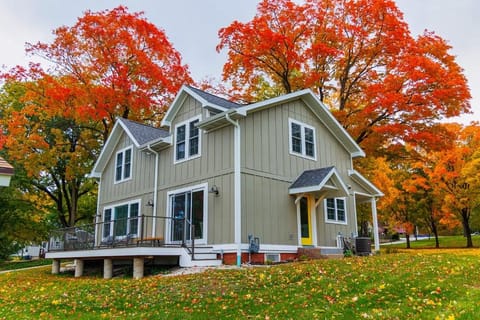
(322, 180)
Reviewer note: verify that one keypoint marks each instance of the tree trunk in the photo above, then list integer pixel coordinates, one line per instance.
(407, 235)
(466, 226)
(433, 227)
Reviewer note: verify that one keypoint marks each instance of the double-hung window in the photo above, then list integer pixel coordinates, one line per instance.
(123, 165)
(302, 139)
(187, 140)
(121, 220)
(335, 210)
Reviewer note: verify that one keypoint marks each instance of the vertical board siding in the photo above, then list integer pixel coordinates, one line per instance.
(143, 168)
(268, 209)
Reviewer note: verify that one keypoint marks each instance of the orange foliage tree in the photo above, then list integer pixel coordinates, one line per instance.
(358, 56)
(54, 122)
(456, 175)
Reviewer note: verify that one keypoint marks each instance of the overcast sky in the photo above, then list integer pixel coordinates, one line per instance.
(192, 27)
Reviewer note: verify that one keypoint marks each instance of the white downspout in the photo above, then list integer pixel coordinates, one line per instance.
(237, 188)
(98, 216)
(375, 224)
(155, 192)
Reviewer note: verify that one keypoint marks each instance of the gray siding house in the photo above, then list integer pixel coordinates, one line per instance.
(234, 183)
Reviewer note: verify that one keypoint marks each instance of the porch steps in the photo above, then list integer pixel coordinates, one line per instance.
(203, 257)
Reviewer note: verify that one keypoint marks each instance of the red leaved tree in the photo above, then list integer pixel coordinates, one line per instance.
(358, 56)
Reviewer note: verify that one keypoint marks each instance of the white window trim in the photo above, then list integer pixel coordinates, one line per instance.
(336, 221)
(168, 226)
(115, 181)
(187, 140)
(112, 208)
(302, 132)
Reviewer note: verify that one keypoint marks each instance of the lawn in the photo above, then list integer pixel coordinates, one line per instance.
(22, 264)
(445, 242)
(420, 284)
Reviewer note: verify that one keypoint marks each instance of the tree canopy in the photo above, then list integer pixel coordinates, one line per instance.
(359, 57)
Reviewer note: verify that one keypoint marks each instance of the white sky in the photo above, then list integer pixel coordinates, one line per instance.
(192, 27)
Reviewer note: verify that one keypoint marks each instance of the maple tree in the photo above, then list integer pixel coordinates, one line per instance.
(54, 121)
(455, 174)
(359, 57)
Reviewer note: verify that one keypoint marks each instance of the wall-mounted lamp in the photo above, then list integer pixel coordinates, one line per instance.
(214, 190)
(149, 203)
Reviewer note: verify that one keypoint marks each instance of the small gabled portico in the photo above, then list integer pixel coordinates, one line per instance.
(310, 189)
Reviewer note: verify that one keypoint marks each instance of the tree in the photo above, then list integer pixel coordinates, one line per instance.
(456, 175)
(54, 122)
(383, 85)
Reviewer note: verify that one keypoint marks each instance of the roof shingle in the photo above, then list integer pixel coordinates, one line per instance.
(144, 133)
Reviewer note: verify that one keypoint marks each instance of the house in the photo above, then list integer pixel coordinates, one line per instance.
(219, 182)
(6, 173)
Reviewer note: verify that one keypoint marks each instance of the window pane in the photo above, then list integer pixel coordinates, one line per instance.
(121, 215)
(127, 166)
(133, 218)
(305, 230)
(193, 146)
(296, 138)
(107, 217)
(178, 215)
(193, 129)
(181, 151)
(309, 143)
(118, 173)
(197, 213)
(331, 209)
(340, 209)
(181, 133)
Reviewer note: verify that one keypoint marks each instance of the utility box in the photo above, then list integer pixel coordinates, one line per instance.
(363, 246)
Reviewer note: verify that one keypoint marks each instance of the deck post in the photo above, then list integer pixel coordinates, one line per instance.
(138, 267)
(56, 266)
(107, 268)
(78, 267)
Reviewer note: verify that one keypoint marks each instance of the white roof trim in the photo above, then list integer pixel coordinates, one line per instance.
(178, 101)
(333, 174)
(362, 181)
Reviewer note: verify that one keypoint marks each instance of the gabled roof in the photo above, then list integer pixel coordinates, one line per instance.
(5, 167)
(141, 133)
(142, 136)
(319, 180)
(207, 100)
(369, 187)
(320, 110)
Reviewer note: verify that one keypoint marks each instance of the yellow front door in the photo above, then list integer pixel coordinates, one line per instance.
(306, 222)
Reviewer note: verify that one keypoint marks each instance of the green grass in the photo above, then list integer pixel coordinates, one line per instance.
(445, 242)
(22, 264)
(418, 284)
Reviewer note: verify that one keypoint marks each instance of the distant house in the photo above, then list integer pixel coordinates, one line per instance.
(6, 173)
(219, 182)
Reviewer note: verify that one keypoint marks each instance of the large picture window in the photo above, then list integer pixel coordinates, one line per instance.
(335, 210)
(302, 139)
(187, 140)
(187, 208)
(123, 165)
(121, 221)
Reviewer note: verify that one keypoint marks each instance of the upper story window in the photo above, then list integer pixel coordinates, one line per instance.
(123, 165)
(187, 140)
(335, 210)
(302, 139)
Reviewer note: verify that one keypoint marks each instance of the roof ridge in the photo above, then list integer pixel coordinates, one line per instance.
(214, 96)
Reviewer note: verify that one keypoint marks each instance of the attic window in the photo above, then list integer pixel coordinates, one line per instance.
(123, 165)
(187, 140)
(302, 139)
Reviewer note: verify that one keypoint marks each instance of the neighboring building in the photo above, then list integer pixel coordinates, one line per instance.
(222, 174)
(6, 173)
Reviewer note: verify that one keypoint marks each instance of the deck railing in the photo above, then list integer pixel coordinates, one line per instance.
(136, 231)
